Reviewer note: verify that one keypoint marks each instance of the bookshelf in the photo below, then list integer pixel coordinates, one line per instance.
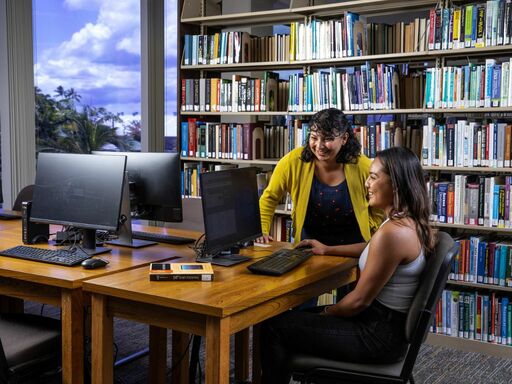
(200, 17)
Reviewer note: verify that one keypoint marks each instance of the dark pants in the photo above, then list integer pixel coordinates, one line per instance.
(375, 335)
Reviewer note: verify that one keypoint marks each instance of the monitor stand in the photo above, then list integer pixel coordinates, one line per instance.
(224, 260)
(124, 234)
(89, 243)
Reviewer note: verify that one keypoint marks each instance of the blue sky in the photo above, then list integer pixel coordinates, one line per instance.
(93, 46)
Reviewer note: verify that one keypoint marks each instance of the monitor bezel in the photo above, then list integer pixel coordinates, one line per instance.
(176, 158)
(215, 250)
(77, 224)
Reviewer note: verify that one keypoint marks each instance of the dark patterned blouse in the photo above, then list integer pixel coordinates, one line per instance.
(330, 216)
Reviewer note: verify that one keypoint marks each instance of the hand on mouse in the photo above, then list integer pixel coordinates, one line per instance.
(317, 247)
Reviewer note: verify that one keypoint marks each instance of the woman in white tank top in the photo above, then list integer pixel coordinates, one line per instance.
(367, 325)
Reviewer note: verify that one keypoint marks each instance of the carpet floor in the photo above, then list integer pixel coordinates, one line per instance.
(435, 365)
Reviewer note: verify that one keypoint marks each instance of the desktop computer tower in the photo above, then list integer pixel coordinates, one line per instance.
(32, 233)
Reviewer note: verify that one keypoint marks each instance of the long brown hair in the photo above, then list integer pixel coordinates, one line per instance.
(410, 191)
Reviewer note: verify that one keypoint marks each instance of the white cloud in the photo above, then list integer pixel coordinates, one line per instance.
(130, 44)
(91, 37)
(100, 59)
(82, 4)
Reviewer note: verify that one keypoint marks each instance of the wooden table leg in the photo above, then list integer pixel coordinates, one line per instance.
(180, 342)
(256, 361)
(157, 354)
(242, 355)
(72, 336)
(102, 341)
(217, 350)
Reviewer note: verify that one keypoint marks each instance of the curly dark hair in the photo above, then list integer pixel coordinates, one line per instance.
(332, 122)
(410, 190)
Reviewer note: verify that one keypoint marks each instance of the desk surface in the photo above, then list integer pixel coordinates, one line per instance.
(120, 259)
(234, 289)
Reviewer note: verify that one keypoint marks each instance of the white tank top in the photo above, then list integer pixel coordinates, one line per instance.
(398, 292)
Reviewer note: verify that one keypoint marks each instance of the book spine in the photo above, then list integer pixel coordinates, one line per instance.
(180, 277)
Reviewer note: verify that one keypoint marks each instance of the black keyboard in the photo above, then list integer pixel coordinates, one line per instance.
(281, 261)
(9, 216)
(161, 238)
(52, 256)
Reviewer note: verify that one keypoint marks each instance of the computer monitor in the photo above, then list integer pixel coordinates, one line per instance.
(231, 213)
(83, 191)
(154, 191)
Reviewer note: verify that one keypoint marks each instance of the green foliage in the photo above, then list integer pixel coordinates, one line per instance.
(63, 125)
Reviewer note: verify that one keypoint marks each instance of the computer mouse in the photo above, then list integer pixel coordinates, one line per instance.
(246, 244)
(94, 263)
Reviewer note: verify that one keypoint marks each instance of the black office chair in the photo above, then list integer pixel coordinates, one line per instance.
(30, 346)
(24, 195)
(311, 369)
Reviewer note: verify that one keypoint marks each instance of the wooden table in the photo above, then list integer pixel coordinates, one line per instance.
(234, 301)
(62, 286)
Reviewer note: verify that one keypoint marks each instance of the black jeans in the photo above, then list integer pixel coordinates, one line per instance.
(375, 335)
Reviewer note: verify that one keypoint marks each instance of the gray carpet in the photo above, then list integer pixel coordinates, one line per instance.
(435, 365)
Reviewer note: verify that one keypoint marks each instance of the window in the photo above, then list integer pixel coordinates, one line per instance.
(171, 63)
(87, 75)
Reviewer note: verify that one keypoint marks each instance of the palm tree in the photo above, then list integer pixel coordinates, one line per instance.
(88, 132)
(60, 127)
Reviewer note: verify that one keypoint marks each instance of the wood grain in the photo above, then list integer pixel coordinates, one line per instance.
(234, 301)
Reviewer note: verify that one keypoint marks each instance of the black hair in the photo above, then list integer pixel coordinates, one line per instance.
(332, 122)
(409, 190)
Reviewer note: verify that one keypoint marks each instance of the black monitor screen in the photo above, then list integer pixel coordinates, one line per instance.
(230, 208)
(155, 185)
(80, 190)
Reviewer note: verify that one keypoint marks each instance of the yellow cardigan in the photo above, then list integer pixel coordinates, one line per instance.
(296, 176)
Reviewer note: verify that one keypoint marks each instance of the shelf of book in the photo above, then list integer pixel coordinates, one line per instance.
(388, 58)
(281, 210)
(468, 169)
(403, 111)
(479, 228)
(467, 345)
(491, 287)
(297, 13)
(232, 161)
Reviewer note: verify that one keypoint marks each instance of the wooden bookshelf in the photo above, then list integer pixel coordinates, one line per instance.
(297, 11)
(382, 58)
(424, 111)
(468, 169)
(492, 287)
(467, 345)
(479, 228)
(232, 161)
(197, 18)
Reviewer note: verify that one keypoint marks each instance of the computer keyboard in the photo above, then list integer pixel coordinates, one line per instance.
(161, 238)
(52, 256)
(281, 261)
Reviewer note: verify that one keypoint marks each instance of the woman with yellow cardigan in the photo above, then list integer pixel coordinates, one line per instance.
(326, 181)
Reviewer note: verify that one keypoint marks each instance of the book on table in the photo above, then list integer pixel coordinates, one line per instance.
(180, 272)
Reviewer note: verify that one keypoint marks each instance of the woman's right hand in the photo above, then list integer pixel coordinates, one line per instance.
(317, 247)
(265, 239)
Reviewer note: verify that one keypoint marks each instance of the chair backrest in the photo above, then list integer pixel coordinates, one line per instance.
(432, 283)
(24, 195)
